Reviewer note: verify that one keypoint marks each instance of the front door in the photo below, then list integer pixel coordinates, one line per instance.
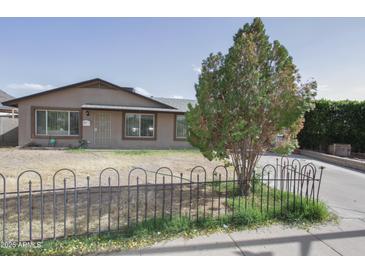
(102, 128)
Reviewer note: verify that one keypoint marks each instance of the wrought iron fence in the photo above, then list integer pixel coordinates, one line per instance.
(71, 207)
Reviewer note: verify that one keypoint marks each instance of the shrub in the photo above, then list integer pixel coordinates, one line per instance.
(334, 122)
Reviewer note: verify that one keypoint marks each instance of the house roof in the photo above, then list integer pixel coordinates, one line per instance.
(167, 104)
(114, 107)
(180, 104)
(4, 97)
(14, 102)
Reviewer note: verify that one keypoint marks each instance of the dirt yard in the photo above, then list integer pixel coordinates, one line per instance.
(91, 162)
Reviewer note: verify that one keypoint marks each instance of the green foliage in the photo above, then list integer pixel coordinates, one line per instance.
(286, 149)
(245, 98)
(149, 232)
(334, 122)
(83, 144)
(276, 206)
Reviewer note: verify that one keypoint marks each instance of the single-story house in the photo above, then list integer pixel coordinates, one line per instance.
(6, 111)
(101, 114)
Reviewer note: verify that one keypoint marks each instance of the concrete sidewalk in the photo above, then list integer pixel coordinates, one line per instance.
(345, 238)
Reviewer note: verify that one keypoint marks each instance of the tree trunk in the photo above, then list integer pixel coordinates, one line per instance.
(244, 162)
(244, 181)
(245, 184)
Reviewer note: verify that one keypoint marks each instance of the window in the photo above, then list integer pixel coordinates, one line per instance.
(181, 127)
(139, 125)
(57, 123)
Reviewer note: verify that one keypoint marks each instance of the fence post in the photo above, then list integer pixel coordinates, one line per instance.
(246, 196)
(64, 208)
(212, 193)
(181, 187)
(281, 190)
(172, 198)
(88, 205)
(190, 197)
(233, 193)
(4, 207)
(118, 202)
(226, 198)
(301, 190)
(54, 210)
(204, 196)
(287, 188)
(18, 208)
(306, 190)
(128, 200)
(42, 210)
(319, 181)
(294, 188)
(197, 197)
(268, 192)
(100, 205)
(253, 189)
(145, 200)
(109, 202)
(275, 184)
(137, 201)
(261, 192)
(30, 212)
(219, 195)
(163, 198)
(75, 200)
(239, 193)
(155, 206)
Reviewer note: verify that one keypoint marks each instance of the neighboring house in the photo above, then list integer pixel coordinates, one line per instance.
(6, 110)
(8, 122)
(102, 114)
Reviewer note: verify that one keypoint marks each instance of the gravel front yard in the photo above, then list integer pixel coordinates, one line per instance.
(91, 162)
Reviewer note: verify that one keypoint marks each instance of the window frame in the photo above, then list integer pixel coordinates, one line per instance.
(139, 137)
(35, 134)
(176, 138)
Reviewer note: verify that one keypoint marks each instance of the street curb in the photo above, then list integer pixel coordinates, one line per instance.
(341, 161)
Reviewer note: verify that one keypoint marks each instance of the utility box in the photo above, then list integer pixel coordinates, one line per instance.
(343, 150)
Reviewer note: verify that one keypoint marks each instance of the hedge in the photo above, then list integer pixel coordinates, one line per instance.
(334, 122)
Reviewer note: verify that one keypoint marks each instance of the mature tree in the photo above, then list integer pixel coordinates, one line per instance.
(245, 99)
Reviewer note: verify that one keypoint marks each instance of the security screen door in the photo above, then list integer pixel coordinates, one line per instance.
(102, 128)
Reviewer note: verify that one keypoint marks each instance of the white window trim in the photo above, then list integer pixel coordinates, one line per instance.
(176, 136)
(55, 110)
(140, 115)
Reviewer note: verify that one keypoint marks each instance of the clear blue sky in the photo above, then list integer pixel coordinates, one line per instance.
(161, 56)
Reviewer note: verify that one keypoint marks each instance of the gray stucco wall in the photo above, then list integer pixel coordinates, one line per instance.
(164, 132)
(76, 97)
(8, 131)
